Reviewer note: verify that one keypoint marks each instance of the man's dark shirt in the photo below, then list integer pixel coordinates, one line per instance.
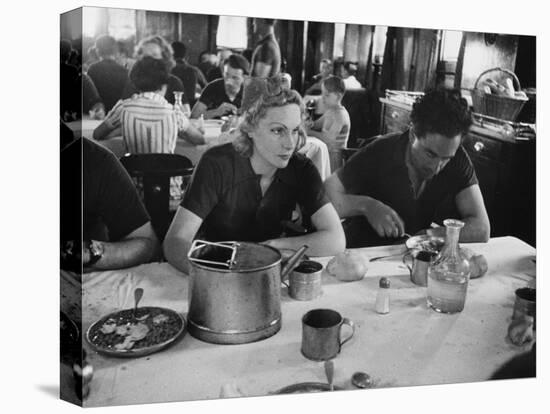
(189, 76)
(267, 51)
(174, 85)
(206, 67)
(106, 199)
(70, 91)
(214, 95)
(225, 192)
(379, 171)
(90, 95)
(109, 78)
(213, 74)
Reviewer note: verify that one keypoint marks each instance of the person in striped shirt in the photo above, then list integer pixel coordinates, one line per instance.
(149, 124)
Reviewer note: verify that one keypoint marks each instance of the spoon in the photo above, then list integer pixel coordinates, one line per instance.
(138, 294)
(329, 371)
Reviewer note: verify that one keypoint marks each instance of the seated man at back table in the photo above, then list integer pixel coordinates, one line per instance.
(400, 182)
(223, 96)
(113, 222)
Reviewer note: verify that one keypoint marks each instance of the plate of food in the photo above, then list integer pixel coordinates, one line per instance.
(304, 387)
(128, 334)
(425, 242)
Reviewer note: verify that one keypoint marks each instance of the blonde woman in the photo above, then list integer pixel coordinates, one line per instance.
(246, 189)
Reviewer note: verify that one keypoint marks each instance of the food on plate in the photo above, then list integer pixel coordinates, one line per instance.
(127, 330)
(348, 266)
(520, 330)
(478, 263)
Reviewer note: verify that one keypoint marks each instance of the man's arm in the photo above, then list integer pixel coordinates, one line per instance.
(385, 221)
(179, 238)
(140, 246)
(327, 240)
(471, 208)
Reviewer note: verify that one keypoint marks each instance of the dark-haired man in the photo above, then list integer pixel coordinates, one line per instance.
(401, 182)
(108, 76)
(190, 75)
(223, 96)
(266, 59)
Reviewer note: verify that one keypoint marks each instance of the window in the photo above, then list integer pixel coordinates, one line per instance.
(379, 43)
(91, 18)
(339, 38)
(231, 33)
(122, 23)
(450, 45)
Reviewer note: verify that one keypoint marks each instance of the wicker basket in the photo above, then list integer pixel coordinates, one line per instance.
(503, 107)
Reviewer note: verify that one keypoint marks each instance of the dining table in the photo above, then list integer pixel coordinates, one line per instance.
(411, 345)
(315, 149)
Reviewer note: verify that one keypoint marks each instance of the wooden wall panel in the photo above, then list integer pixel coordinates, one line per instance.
(477, 56)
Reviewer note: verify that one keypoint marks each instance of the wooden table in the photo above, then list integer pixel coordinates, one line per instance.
(412, 345)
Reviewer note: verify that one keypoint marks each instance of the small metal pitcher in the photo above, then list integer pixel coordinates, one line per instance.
(418, 269)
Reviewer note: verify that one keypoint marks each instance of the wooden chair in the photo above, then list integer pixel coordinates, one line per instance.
(155, 171)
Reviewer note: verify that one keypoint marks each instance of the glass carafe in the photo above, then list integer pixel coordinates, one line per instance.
(449, 273)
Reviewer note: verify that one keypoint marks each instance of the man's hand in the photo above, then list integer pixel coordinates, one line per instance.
(385, 221)
(226, 108)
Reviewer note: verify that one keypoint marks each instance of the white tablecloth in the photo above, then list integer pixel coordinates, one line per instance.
(412, 345)
(314, 149)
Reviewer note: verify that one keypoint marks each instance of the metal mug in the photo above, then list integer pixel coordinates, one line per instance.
(420, 262)
(321, 334)
(304, 283)
(526, 304)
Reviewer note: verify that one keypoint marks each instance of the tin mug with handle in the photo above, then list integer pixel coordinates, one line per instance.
(321, 334)
(419, 264)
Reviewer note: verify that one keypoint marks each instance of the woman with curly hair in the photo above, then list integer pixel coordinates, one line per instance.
(157, 47)
(247, 189)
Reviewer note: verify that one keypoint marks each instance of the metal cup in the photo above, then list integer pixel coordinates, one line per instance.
(321, 334)
(420, 262)
(304, 282)
(526, 304)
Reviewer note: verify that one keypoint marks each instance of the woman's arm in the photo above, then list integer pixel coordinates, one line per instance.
(193, 135)
(179, 238)
(103, 131)
(327, 240)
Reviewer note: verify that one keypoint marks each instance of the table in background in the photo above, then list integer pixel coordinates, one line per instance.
(412, 345)
(314, 149)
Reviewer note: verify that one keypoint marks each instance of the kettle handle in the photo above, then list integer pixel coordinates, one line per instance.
(292, 262)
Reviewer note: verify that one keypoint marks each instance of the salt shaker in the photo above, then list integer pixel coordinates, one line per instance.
(383, 296)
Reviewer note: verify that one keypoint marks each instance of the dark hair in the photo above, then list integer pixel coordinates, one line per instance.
(122, 48)
(237, 61)
(149, 74)
(66, 48)
(105, 45)
(441, 111)
(334, 84)
(180, 50)
(351, 68)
